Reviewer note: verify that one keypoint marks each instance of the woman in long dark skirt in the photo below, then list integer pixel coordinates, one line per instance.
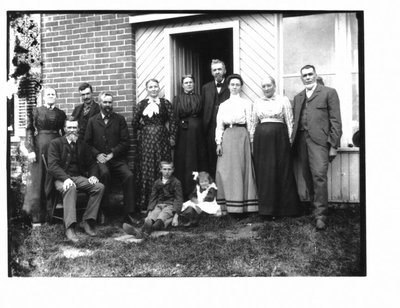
(46, 124)
(154, 128)
(190, 153)
(276, 186)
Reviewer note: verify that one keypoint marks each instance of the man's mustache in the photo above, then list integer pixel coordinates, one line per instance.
(72, 133)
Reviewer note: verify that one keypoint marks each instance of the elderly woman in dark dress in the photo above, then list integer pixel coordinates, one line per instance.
(154, 129)
(277, 190)
(46, 124)
(190, 151)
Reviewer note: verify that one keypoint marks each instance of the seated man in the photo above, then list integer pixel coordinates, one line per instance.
(68, 160)
(165, 201)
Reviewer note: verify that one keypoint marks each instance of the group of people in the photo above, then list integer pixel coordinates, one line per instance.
(247, 147)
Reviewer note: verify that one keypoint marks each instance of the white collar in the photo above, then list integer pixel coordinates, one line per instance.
(235, 96)
(154, 100)
(272, 98)
(312, 88)
(69, 141)
(103, 115)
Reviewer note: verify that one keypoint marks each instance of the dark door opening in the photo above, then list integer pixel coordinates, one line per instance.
(192, 53)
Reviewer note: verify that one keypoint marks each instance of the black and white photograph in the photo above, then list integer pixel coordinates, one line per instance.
(216, 149)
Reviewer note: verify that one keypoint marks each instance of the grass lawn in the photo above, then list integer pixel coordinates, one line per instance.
(218, 247)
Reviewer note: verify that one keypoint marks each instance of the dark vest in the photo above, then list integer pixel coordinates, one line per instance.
(73, 167)
(303, 115)
(83, 118)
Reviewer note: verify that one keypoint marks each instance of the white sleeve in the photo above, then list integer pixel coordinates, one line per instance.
(250, 119)
(219, 130)
(288, 115)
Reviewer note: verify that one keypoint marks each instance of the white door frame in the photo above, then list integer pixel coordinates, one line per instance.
(168, 32)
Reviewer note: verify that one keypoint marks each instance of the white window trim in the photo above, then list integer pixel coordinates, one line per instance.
(343, 78)
(19, 131)
(234, 25)
(154, 17)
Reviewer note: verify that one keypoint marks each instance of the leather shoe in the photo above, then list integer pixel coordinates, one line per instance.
(320, 225)
(71, 235)
(133, 220)
(88, 229)
(129, 229)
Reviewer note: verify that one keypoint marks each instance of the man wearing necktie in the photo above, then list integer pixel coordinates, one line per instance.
(69, 159)
(108, 138)
(83, 112)
(316, 133)
(212, 95)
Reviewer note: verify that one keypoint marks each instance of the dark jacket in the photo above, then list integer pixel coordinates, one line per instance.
(323, 116)
(113, 137)
(168, 193)
(83, 121)
(210, 99)
(59, 158)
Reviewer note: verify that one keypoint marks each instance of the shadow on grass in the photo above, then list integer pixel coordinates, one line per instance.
(285, 247)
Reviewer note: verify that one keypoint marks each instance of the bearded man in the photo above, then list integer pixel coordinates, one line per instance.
(69, 159)
(213, 94)
(108, 138)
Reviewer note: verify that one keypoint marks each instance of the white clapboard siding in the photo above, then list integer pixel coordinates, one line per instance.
(258, 56)
(343, 178)
(258, 51)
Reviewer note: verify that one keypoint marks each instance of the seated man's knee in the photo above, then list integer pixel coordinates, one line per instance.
(71, 190)
(99, 186)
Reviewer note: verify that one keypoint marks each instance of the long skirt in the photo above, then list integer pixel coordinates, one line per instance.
(276, 186)
(154, 147)
(190, 153)
(235, 176)
(35, 203)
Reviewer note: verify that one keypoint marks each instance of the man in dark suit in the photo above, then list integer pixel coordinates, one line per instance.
(213, 94)
(68, 161)
(108, 138)
(83, 112)
(316, 133)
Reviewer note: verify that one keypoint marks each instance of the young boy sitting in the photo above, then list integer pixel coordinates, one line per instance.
(165, 200)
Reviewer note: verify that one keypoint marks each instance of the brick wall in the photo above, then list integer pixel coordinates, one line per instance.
(93, 48)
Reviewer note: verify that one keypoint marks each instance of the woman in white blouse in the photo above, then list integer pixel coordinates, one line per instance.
(235, 176)
(273, 117)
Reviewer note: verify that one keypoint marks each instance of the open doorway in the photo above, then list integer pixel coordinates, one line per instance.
(191, 53)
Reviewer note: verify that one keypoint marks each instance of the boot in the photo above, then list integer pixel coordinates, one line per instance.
(71, 235)
(158, 225)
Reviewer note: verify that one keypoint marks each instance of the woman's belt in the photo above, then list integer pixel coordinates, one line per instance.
(234, 125)
(273, 120)
(48, 131)
(189, 117)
